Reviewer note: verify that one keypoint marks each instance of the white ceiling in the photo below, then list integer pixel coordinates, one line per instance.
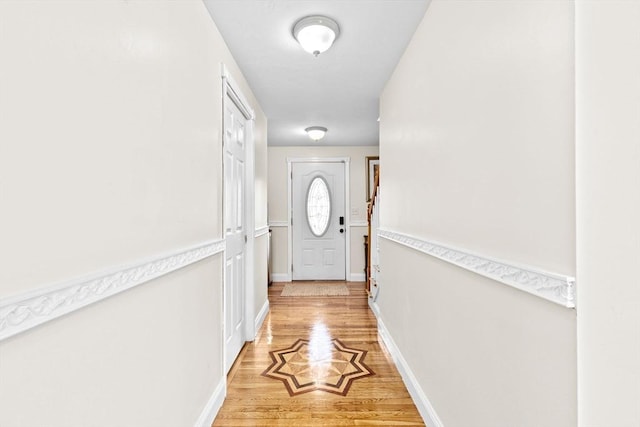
(340, 88)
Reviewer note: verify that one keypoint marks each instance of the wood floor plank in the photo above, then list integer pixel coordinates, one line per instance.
(254, 399)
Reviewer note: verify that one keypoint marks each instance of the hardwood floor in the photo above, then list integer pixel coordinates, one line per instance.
(296, 371)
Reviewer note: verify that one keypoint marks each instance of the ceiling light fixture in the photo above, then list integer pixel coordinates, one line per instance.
(316, 33)
(316, 132)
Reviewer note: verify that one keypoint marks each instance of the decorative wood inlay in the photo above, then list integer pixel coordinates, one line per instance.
(332, 368)
(23, 312)
(550, 286)
(253, 399)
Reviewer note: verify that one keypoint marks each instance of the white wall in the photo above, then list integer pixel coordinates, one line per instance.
(495, 101)
(110, 153)
(278, 200)
(477, 149)
(608, 202)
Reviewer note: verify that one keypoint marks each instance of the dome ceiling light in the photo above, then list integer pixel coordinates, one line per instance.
(316, 33)
(316, 133)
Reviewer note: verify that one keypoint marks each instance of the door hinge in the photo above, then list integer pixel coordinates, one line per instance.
(291, 267)
(291, 220)
(245, 238)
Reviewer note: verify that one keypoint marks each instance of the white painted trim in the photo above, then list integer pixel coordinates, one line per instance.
(211, 409)
(347, 205)
(318, 159)
(262, 314)
(278, 224)
(261, 231)
(358, 224)
(373, 305)
(30, 309)
(250, 222)
(418, 395)
(357, 277)
(553, 287)
(347, 216)
(280, 277)
(236, 94)
(289, 220)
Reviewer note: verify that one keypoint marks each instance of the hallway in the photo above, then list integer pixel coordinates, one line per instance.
(377, 399)
(147, 159)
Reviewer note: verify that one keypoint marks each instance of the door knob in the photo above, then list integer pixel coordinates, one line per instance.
(342, 230)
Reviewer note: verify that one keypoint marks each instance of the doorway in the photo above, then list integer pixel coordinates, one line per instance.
(238, 219)
(319, 230)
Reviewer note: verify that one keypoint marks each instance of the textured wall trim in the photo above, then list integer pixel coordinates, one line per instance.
(261, 231)
(25, 311)
(211, 409)
(550, 286)
(418, 395)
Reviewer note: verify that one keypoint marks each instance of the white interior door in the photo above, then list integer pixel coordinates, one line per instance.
(319, 227)
(235, 143)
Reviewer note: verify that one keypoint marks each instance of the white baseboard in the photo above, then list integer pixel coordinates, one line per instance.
(280, 277)
(417, 394)
(357, 277)
(374, 307)
(261, 316)
(211, 409)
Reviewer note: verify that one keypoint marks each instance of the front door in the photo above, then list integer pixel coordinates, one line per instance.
(319, 228)
(235, 143)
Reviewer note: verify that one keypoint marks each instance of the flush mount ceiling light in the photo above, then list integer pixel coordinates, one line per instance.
(316, 132)
(316, 33)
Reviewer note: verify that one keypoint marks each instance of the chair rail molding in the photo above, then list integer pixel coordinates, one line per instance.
(261, 231)
(28, 310)
(553, 287)
(278, 223)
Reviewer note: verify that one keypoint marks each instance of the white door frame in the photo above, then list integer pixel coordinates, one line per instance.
(230, 89)
(346, 161)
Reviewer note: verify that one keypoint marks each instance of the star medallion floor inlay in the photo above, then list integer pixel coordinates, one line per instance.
(307, 366)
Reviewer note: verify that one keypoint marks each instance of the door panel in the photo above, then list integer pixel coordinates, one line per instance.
(319, 240)
(235, 230)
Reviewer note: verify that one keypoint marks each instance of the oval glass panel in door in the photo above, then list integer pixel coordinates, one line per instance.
(318, 206)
